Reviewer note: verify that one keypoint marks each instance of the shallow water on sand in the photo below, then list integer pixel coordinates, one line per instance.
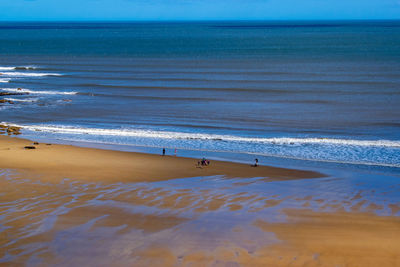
(200, 220)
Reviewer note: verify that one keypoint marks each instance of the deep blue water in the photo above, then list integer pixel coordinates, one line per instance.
(321, 91)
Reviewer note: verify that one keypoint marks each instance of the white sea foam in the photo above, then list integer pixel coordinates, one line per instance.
(7, 68)
(348, 151)
(22, 90)
(22, 99)
(2, 68)
(6, 80)
(28, 74)
(212, 137)
(25, 68)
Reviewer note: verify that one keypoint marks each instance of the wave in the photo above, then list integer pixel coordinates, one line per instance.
(145, 97)
(21, 90)
(25, 68)
(7, 68)
(4, 80)
(18, 68)
(22, 100)
(334, 150)
(28, 74)
(214, 137)
(194, 88)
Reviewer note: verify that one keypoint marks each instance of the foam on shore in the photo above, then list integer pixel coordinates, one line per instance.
(203, 136)
(333, 150)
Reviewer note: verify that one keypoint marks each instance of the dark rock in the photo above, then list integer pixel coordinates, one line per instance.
(13, 129)
(3, 101)
(35, 143)
(24, 68)
(30, 147)
(11, 93)
(10, 129)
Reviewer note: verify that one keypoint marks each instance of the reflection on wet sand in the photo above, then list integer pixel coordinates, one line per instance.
(320, 238)
(201, 221)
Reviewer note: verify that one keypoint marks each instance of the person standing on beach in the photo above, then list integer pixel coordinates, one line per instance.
(163, 151)
(256, 163)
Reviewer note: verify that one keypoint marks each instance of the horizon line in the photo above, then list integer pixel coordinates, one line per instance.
(204, 20)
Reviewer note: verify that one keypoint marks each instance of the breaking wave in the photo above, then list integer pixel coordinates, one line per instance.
(33, 92)
(215, 137)
(2, 68)
(350, 151)
(22, 100)
(28, 74)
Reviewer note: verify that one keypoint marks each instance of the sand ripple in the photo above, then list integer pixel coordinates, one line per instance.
(211, 221)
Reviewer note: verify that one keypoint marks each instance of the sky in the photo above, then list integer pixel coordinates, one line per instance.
(48, 10)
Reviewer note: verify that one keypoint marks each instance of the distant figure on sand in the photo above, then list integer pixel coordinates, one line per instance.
(203, 162)
(163, 151)
(255, 163)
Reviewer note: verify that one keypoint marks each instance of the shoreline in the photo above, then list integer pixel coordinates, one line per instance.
(55, 162)
(195, 221)
(87, 110)
(321, 155)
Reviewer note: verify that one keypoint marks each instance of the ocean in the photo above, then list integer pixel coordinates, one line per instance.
(305, 91)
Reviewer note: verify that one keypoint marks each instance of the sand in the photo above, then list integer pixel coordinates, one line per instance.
(55, 162)
(334, 239)
(118, 209)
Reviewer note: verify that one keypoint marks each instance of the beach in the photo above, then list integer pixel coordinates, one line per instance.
(62, 161)
(65, 205)
(310, 92)
(86, 109)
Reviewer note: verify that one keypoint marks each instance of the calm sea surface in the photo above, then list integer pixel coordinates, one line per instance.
(320, 91)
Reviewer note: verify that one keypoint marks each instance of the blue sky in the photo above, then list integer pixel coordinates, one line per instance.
(197, 9)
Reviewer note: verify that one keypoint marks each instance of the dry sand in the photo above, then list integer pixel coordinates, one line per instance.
(56, 162)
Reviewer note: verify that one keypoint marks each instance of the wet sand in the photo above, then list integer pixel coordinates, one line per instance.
(106, 217)
(333, 239)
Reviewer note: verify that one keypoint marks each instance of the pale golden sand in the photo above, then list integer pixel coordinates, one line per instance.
(60, 161)
(99, 218)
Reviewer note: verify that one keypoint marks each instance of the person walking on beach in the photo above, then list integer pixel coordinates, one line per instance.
(256, 163)
(163, 151)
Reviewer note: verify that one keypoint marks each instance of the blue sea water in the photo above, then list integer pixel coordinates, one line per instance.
(316, 91)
